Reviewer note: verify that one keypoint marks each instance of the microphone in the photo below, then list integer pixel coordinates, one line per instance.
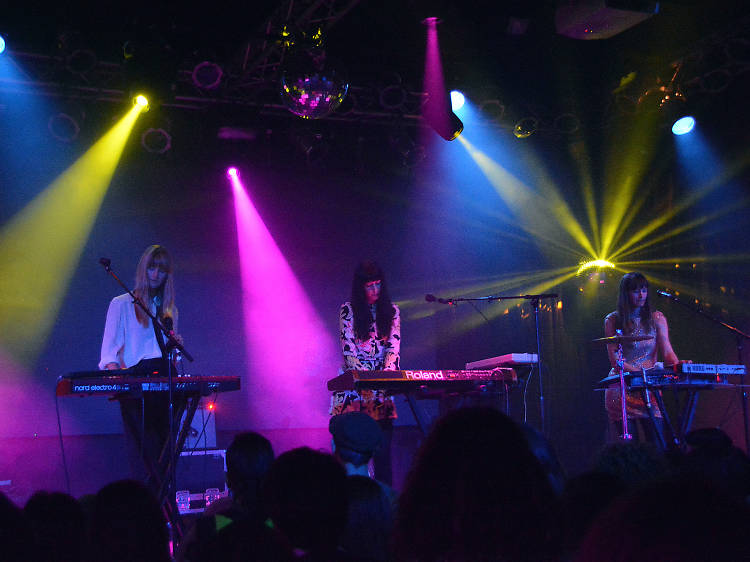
(544, 296)
(433, 298)
(106, 262)
(665, 294)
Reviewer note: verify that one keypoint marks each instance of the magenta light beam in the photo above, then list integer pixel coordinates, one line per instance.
(291, 354)
(437, 110)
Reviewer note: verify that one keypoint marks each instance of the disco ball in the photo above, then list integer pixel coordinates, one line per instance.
(311, 86)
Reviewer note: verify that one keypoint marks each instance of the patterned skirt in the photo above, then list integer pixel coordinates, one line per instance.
(375, 403)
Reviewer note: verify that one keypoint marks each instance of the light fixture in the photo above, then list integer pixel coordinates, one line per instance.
(683, 125)
(525, 127)
(457, 100)
(492, 110)
(392, 96)
(567, 123)
(207, 75)
(232, 172)
(63, 127)
(141, 101)
(2, 44)
(595, 264)
(156, 140)
(448, 127)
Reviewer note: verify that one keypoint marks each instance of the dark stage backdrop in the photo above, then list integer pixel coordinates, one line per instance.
(439, 228)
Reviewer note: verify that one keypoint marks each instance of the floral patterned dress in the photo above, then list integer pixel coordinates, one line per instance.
(372, 354)
(639, 354)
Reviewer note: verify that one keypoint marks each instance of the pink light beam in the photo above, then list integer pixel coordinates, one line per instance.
(291, 354)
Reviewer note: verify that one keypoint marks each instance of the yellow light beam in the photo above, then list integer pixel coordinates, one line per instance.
(670, 261)
(629, 248)
(635, 155)
(475, 320)
(415, 309)
(581, 157)
(548, 214)
(41, 245)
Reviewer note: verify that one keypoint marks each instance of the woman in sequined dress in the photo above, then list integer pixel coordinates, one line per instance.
(634, 317)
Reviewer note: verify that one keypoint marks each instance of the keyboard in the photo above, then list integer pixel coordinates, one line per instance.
(405, 380)
(507, 360)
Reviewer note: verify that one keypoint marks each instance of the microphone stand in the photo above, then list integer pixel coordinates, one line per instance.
(535, 302)
(171, 345)
(740, 336)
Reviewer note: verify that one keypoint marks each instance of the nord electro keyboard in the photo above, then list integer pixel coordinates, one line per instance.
(89, 383)
(507, 360)
(405, 380)
(688, 378)
(683, 375)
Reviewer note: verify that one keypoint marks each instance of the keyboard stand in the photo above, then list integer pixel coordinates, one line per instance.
(684, 417)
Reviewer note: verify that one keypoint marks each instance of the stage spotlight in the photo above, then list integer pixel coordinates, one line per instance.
(683, 125)
(2, 44)
(595, 264)
(525, 127)
(156, 141)
(449, 128)
(457, 100)
(232, 172)
(141, 101)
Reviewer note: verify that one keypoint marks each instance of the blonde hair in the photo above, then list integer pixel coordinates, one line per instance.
(142, 286)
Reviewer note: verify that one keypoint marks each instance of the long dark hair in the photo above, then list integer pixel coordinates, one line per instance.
(630, 282)
(476, 511)
(384, 312)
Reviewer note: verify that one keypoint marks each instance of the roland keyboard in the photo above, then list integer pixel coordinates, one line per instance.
(407, 380)
(90, 383)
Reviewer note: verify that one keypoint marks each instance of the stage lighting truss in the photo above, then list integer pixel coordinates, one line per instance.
(567, 123)
(81, 61)
(493, 110)
(156, 140)
(63, 127)
(393, 97)
(207, 75)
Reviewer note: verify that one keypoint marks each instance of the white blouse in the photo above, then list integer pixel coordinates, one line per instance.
(126, 341)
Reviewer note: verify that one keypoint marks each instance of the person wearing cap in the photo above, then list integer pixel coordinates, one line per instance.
(355, 439)
(370, 336)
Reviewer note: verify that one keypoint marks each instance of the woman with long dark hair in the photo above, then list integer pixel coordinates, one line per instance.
(634, 317)
(370, 336)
